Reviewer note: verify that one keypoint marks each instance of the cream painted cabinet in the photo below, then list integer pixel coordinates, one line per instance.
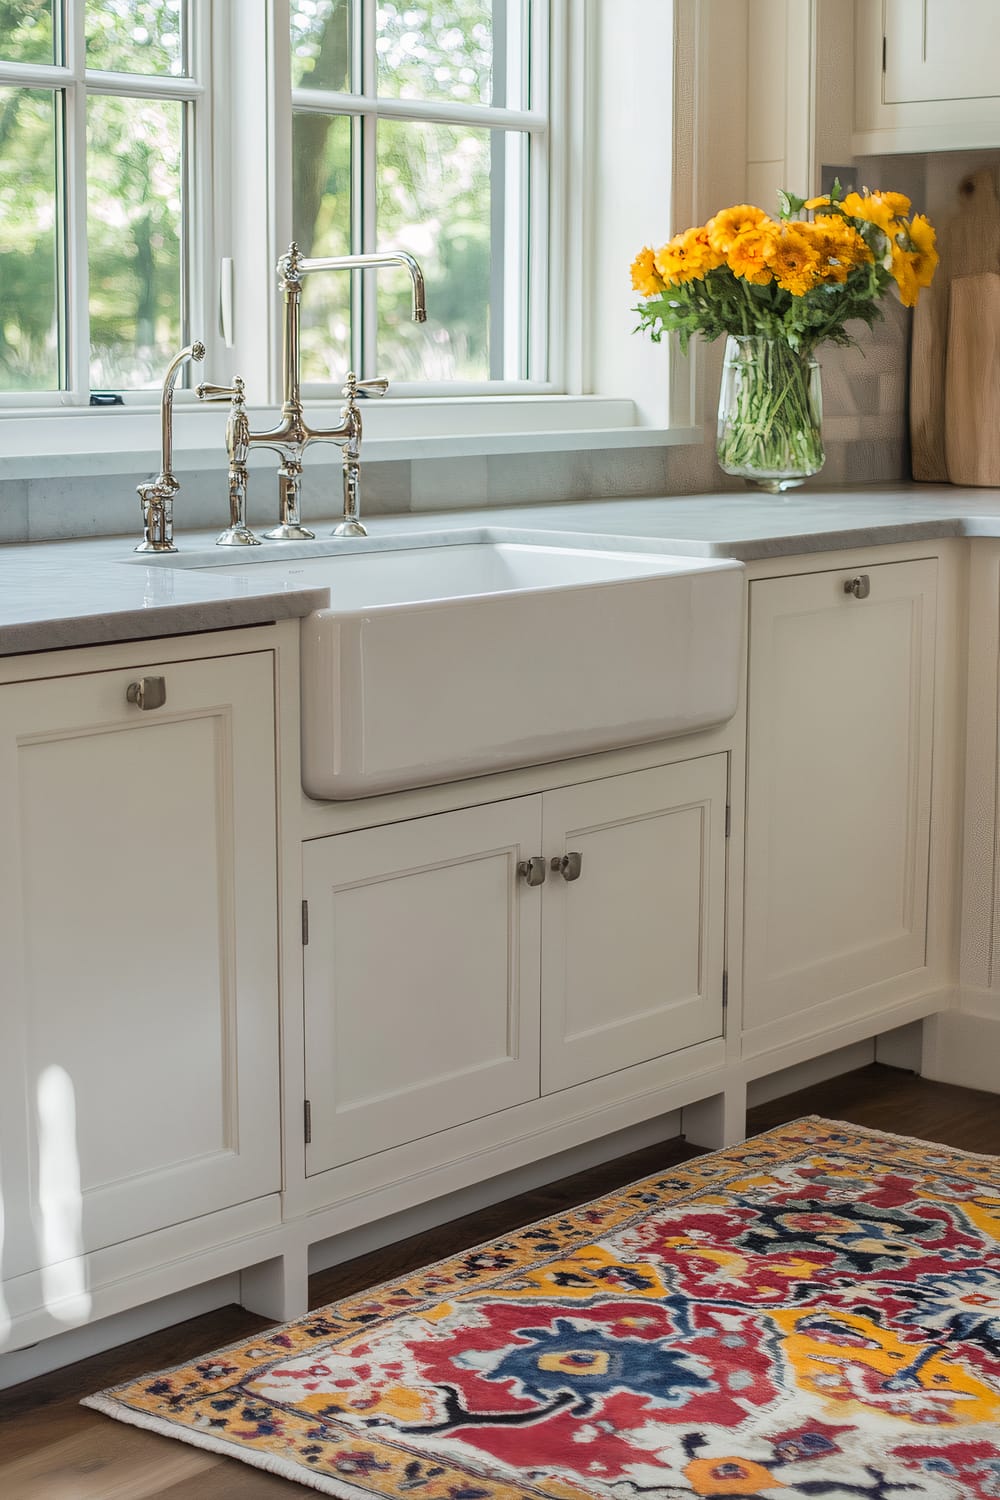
(421, 977)
(840, 694)
(632, 952)
(926, 75)
(934, 52)
(138, 954)
(442, 986)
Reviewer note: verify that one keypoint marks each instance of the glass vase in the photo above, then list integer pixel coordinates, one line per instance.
(770, 413)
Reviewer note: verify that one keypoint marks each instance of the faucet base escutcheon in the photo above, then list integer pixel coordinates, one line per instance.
(237, 536)
(349, 528)
(288, 533)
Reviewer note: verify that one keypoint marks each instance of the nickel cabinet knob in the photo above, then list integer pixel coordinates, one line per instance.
(860, 587)
(148, 692)
(532, 870)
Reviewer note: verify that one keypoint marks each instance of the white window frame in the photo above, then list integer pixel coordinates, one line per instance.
(77, 83)
(546, 376)
(607, 388)
(524, 326)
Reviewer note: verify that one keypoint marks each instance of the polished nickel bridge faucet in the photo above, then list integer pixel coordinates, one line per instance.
(293, 434)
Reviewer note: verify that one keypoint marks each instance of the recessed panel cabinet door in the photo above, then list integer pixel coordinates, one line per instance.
(840, 696)
(634, 915)
(935, 49)
(138, 954)
(421, 978)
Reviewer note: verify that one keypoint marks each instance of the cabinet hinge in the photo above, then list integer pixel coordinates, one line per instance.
(307, 1121)
(305, 924)
(729, 820)
(884, 50)
(725, 990)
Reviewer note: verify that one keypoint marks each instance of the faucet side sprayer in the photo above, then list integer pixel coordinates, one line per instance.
(157, 495)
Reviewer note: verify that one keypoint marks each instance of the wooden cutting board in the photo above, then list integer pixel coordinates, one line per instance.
(972, 381)
(969, 246)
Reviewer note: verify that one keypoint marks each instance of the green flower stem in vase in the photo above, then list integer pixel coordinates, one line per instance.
(770, 413)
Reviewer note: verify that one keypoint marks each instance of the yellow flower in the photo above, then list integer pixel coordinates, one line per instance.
(904, 276)
(644, 277)
(700, 250)
(851, 244)
(823, 202)
(832, 262)
(724, 228)
(883, 209)
(869, 209)
(749, 252)
(897, 203)
(794, 261)
(838, 246)
(923, 249)
(687, 257)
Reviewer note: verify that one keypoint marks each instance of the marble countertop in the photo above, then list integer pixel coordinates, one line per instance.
(91, 591)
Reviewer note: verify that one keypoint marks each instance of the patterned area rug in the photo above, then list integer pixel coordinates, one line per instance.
(815, 1313)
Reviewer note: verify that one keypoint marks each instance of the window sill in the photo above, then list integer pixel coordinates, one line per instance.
(37, 444)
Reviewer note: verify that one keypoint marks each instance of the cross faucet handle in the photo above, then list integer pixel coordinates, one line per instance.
(364, 388)
(234, 392)
(237, 533)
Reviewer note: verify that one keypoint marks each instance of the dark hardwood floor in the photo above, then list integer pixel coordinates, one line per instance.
(53, 1449)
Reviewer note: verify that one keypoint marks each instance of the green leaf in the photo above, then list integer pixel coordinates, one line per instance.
(789, 204)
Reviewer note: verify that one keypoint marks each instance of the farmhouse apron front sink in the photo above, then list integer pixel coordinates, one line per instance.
(439, 663)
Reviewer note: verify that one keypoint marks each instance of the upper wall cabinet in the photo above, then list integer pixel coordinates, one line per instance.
(928, 56)
(923, 81)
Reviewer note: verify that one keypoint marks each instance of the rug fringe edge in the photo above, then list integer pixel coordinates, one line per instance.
(281, 1467)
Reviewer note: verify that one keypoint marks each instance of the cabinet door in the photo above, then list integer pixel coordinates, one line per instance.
(632, 963)
(937, 50)
(421, 978)
(138, 954)
(838, 791)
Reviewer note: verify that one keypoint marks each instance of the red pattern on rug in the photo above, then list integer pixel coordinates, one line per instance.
(815, 1313)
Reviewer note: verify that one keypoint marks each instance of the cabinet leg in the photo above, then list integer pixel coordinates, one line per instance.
(902, 1048)
(277, 1288)
(719, 1121)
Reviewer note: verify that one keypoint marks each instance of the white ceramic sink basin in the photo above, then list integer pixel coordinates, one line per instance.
(455, 661)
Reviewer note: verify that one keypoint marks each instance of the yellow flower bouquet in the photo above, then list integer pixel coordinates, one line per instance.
(778, 288)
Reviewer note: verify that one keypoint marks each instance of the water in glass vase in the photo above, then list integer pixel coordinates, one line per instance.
(770, 413)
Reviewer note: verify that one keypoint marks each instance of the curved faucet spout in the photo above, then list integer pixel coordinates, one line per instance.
(293, 266)
(195, 351)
